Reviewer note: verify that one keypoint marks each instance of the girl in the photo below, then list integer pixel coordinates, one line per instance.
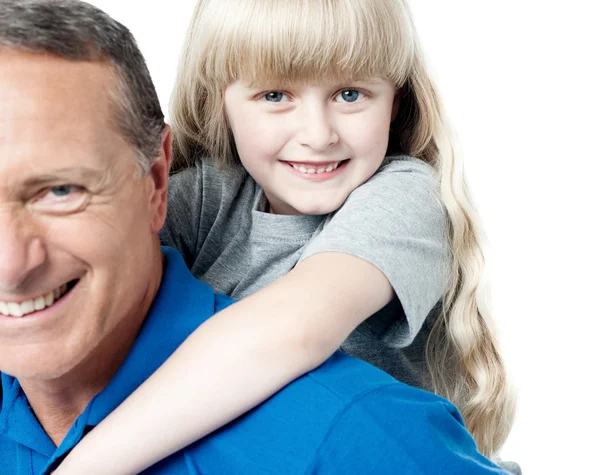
(318, 183)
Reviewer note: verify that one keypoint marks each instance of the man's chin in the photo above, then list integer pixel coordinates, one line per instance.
(39, 366)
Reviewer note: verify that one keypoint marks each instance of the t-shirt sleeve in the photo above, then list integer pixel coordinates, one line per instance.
(386, 432)
(184, 206)
(396, 222)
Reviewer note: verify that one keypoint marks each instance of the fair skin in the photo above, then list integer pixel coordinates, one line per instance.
(288, 138)
(76, 223)
(253, 348)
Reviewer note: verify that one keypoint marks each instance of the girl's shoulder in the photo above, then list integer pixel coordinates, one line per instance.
(397, 222)
(213, 188)
(206, 173)
(404, 164)
(206, 200)
(399, 178)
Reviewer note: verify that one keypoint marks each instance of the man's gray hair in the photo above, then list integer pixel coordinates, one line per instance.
(78, 31)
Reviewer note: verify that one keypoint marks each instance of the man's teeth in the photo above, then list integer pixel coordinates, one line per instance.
(14, 309)
(313, 170)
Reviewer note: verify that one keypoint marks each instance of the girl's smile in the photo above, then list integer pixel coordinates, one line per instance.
(317, 171)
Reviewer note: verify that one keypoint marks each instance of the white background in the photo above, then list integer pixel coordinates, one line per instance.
(521, 84)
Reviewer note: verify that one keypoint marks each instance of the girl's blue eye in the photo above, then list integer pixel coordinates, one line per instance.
(349, 95)
(274, 96)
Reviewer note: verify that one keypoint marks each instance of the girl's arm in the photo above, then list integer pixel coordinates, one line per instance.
(234, 361)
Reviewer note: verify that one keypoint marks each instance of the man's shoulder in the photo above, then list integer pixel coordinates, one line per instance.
(348, 385)
(318, 413)
(285, 433)
(193, 298)
(344, 417)
(379, 425)
(347, 378)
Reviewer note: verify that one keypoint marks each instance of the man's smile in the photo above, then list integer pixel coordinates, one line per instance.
(45, 300)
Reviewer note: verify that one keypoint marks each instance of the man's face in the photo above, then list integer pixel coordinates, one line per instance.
(78, 224)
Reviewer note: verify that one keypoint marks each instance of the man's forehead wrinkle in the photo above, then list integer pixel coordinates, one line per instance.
(32, 160)
(95, 167)
(41, 149)
(74, 173)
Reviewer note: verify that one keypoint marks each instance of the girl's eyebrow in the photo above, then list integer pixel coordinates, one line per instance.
(268, 84)
(274, 85)
(366, 81)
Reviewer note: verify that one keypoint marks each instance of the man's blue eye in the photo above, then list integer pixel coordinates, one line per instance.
(61, 199)
(350, 95)
(62, 190)
(274, 96)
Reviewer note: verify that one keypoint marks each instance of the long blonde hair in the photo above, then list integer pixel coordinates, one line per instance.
(274, 40)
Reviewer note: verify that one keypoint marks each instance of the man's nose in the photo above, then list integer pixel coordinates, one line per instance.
(317, 130)
(22, 251)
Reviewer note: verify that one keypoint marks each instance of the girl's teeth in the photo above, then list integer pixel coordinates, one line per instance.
(313, 171)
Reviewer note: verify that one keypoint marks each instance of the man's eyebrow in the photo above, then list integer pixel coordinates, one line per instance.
(62, 174)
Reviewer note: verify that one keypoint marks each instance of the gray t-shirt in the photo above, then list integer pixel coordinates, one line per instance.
(217, 219)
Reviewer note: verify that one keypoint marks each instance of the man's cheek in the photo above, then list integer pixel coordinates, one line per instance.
(79, 234)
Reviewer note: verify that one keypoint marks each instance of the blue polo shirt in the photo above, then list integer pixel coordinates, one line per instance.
(344, 417)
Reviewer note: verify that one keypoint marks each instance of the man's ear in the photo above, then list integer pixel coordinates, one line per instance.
(396, 106)
(159, 174)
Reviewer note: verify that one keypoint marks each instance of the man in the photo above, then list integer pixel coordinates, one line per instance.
(87, 296)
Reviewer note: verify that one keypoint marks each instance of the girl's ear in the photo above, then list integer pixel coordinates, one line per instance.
(396, 105)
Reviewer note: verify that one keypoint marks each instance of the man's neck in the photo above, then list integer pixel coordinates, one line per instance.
(58, 402)
(56, 409)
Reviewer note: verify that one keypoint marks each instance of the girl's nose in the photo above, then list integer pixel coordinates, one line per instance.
(317, 130)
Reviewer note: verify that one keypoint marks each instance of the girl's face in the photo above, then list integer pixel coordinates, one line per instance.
(309, 145)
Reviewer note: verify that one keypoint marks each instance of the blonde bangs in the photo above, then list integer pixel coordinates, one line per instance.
(274, 41)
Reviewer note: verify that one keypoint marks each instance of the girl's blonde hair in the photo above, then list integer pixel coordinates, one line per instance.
(278, 42)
